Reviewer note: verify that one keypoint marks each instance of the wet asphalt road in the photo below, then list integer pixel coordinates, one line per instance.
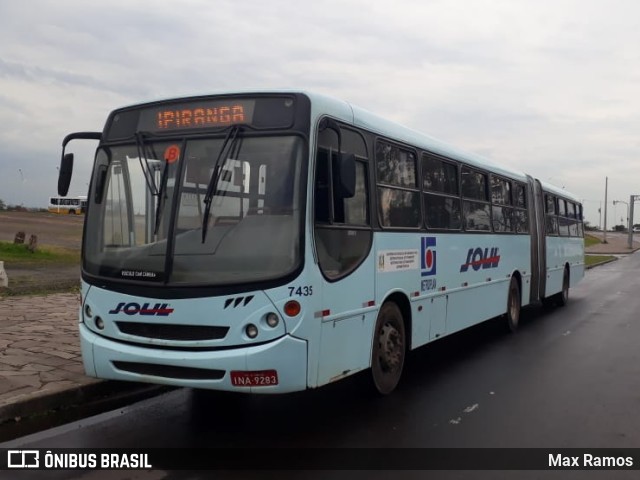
(569, 378)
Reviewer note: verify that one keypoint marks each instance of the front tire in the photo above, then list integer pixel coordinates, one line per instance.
(389, 349)
(513, 306)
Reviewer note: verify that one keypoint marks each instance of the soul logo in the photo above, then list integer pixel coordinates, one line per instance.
(478, 258)
(159, 309)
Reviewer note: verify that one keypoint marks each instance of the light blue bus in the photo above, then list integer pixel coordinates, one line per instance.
(272, 242)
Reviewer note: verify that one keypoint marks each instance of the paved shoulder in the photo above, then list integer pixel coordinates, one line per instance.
(39, 347)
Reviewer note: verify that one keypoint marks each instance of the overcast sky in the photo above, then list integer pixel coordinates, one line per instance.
(548, 87)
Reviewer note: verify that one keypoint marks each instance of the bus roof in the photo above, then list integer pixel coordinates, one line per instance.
(376, 124)
(342, 110)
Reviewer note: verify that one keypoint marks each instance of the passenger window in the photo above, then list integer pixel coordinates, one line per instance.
(550, 204)
(502, 219)
(396, 166)
(520, 213)
(398, 195)
(439, 176)
(399, 208)
(442, 212)
(520, 196)
(563, 221)
(500, 191)
(477, 216)
(474, 185)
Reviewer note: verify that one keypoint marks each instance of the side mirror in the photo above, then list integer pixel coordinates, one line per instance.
(345, 175)
(64, 176)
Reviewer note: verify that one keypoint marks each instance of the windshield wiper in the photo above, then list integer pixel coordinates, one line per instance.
(161, 197)
(149, 177)
(230, 140)
(142, 155)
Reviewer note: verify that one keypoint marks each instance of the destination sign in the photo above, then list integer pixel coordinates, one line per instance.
(196, 115)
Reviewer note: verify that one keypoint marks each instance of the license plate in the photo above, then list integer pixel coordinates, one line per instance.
(261, 378)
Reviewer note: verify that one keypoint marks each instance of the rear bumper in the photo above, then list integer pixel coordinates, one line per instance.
(286, 355)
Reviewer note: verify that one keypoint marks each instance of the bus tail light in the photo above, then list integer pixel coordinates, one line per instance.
(292, 308)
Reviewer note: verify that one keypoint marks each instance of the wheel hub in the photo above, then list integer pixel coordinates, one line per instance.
(390, 348)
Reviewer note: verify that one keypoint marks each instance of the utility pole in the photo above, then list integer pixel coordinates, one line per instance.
(600, 212)
(606, 186)
(632, 199)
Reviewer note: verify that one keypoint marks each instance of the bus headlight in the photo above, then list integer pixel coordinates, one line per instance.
(251, 330)
(87, 311)
(99, 323)
(272, 320)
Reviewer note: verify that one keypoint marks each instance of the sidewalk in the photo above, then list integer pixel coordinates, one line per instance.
(40, 363)
(39, 349)
(617, 244)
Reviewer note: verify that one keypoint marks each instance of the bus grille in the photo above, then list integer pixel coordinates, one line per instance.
(172, 332)
(169, 371)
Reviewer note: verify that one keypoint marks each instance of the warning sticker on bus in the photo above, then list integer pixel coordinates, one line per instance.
(396, 260)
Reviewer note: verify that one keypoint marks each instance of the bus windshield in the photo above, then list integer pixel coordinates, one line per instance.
(147, 210)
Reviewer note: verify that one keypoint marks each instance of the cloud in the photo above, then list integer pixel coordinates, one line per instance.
(552, 91)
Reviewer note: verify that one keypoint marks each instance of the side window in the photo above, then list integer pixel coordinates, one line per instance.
(562, 209)
(520, 197)
(552, 220)
(521, 215)
(580, 220)
(550, 204)
(439, 176)
(474, 184)
(342, 225)
(398, 195)
(441, 201)
(476, 209)
(500, 191)
(502, 213)
(563, 221)
(396, 166)
(573, 220)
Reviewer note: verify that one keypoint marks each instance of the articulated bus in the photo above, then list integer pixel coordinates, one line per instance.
(277, 241)
(68, 205)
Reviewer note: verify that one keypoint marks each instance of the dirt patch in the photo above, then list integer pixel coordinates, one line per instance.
(55, 230)
(51, 229)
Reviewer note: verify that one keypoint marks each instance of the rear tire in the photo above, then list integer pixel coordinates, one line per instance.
(514, 303)
(389, 349)
(562, 298)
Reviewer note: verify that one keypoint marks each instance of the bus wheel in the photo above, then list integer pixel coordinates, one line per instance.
(513, 306)
(562, 298)
(388, 353)
(72, 212)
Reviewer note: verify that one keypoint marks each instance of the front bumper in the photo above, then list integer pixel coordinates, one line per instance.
(286, 355)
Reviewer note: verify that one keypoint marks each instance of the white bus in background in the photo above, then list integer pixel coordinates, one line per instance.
(68, 205)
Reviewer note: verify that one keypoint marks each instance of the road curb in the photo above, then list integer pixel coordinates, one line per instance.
(589, 267)
(90, 397)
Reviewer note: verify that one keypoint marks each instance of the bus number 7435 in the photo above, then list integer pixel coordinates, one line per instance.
(305, 291)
